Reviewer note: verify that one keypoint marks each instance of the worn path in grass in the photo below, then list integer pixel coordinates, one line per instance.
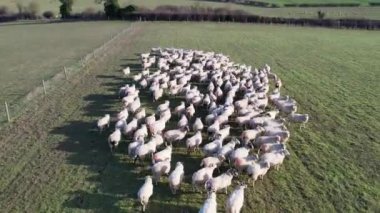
(53, 159)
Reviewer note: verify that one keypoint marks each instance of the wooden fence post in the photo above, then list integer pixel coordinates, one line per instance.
(7, 111)
(43, 84)
(65, 71)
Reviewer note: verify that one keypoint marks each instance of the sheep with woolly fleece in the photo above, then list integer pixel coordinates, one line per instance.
(200, 177)
(131, 127)
(235, 201)
(241, 164)
(241, 152)
(162, 155)
(134, 106)
(137, 77)
(150, 120)
(210, 204)
(215, 127)
(221, 182)
(128, 100)
(193, 142)
(274, 158)
(176, 177)
(157, 94)
(228, 148)
(266, 139)
(140, 115)
(141, 133)
(104, 122)
(114, 139)
(144, 150)
(210, 118)
(120, 124)
(126, 71)
(163, 107)
(250, 134)
(175, 135)
(198, 125)
(143, 83)
(222, 134)
(145, 192)
(190, 111)
(299, 118)
(209, 161)
(165, 115)
(157, 127)
(284, 134)
(206, 100)
(257, 170)
(271, 147)
(212, 147)
(133, 146)
(258, 121)
(180, 109)
(123, 115)
(241, 104)
(159, 169)
(183, 122)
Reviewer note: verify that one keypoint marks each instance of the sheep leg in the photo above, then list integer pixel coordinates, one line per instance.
(226, 190)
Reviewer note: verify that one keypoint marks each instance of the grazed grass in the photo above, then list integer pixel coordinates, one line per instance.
(294, 12)
(58, 162)
(32, 52)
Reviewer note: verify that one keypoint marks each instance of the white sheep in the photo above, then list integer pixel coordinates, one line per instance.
(235, 201)
(157, 127)
(193, 142)
(227, 149)
(183, 122)
(209, 161)
(221, 182)
(250, 134)
(212, 147)
(131, 127)
(190, 111)
(144, 150)
(145, 192)
(299, 118)
(241, 164)
(214, 127)
(122, 115)
(266, 139)
(198, 125)
(222, 134)
(157, 94)
(150, 120)
(163, 107)
(159, 169)
(257, 170)
(200, 177)
(141, 133)
(241, 152)
(274, 158)
(134, 106)
(104, 122)
(114, 139)
(126, 71)
(180, 109)
(210, 205)
(140, 115)
(120, 124)
(176, 177)
(175, 135)
(163, 155)
(133, 146)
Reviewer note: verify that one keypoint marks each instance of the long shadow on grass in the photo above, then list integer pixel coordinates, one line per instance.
(112, 181)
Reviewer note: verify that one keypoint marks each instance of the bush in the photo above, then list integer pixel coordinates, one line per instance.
(4, 10)
(374, 4)
(48, 14)
(321, 14)
(66, 8)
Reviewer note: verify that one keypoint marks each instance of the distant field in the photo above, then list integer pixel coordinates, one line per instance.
(30, 53)
(341, 12)
(52, 159)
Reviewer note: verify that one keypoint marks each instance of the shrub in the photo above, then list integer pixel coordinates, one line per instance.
(321, 14)
(48, 14)
(66, 8)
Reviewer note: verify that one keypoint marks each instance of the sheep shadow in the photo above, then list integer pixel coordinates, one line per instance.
(114, 179)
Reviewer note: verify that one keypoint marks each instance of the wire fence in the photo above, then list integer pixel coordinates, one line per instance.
(13, 110)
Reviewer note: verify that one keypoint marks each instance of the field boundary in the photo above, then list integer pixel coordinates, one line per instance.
(42, 92)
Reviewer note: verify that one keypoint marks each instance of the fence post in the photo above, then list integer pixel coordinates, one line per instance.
(7, 111)
(65, 71)
(43, 84)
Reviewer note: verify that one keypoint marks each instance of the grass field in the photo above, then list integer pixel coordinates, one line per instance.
(341, 12)
(52, 159)
(30, 53)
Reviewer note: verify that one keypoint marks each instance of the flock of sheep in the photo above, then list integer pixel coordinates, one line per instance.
(231, 94)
